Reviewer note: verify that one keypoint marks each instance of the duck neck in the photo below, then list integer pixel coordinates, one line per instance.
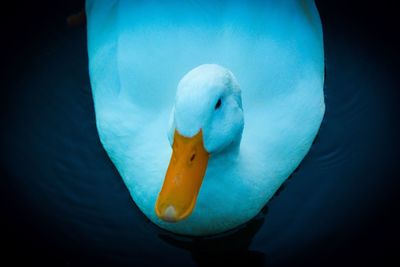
(232, 150)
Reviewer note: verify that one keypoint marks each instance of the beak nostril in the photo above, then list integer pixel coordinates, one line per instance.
(192, 157)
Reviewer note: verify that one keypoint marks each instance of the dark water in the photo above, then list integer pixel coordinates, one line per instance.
(63, 202)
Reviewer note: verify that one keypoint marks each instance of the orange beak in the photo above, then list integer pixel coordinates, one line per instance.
(184, 177)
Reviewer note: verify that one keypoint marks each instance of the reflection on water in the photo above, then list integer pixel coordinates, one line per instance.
(71, 199)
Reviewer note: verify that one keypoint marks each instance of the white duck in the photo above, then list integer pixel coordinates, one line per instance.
(221, 170)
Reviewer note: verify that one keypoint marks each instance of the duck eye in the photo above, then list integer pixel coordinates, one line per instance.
(218, 104)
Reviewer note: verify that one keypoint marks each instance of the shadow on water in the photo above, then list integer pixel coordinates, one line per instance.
(229, 248)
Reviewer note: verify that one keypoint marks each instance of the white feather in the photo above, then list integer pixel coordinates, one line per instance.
(138, 53)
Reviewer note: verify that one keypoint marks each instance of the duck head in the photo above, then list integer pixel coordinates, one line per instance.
(207, 119)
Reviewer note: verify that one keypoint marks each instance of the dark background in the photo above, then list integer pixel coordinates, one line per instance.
(63, 203)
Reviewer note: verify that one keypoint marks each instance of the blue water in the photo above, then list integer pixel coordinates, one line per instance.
(64, 202)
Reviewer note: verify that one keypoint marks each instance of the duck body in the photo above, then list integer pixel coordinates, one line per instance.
(138, 53)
